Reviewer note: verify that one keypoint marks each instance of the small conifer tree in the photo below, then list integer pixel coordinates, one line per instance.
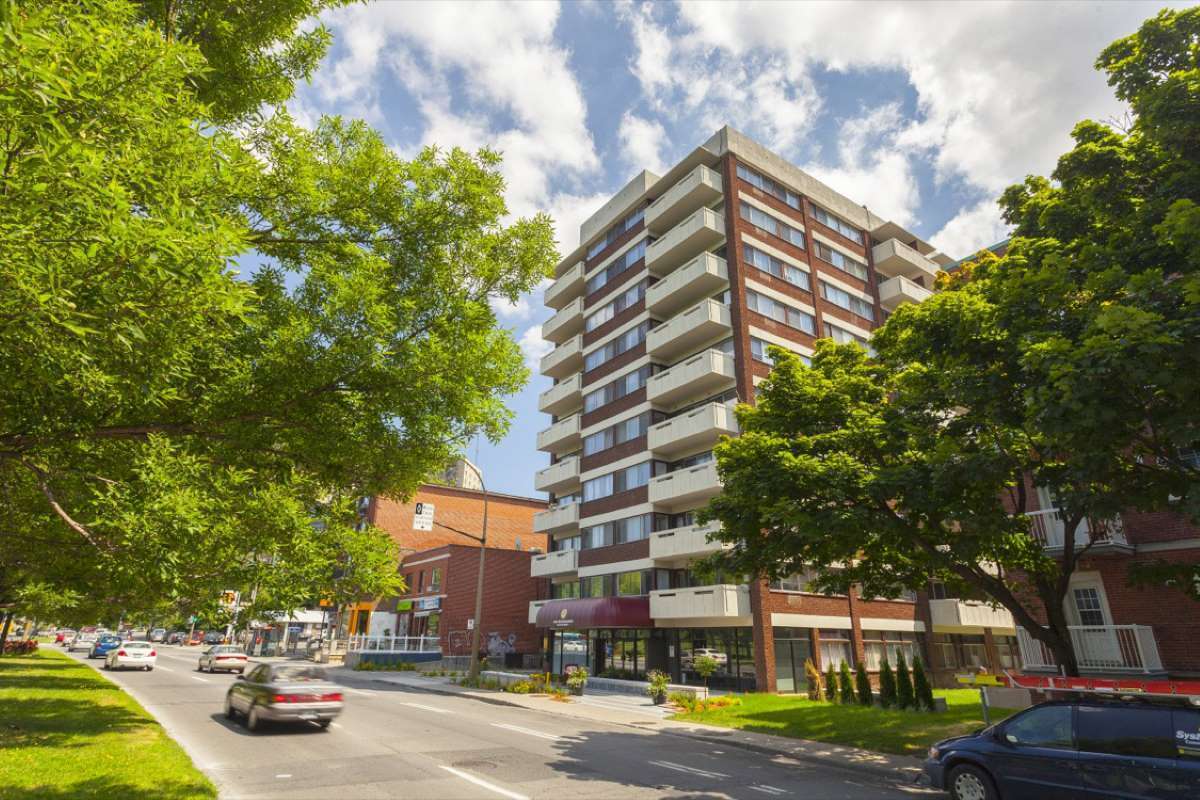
(904, 686)
(830, 684)
(887, 685)
(864, 685)
(921, 687)
(846, 693)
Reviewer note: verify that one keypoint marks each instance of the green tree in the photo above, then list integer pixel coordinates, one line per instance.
(831, 683)
(705, 666)
(905, 698)
(170, 428)
(887, 685)
(922, 690)
(846, 686)
(865, 696)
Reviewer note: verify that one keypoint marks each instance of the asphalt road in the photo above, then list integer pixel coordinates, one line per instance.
(397, 742)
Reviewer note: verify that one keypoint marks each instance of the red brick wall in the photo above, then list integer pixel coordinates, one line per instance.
(509, 519)
(508, 590)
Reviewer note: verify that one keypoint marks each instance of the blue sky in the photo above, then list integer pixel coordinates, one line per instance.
(924, 111)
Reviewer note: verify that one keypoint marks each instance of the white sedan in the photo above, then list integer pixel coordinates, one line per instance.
(130, 654)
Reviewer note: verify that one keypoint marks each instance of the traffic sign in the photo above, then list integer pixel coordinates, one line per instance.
(423, 517)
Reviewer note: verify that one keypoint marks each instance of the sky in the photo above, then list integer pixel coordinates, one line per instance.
(923, 111)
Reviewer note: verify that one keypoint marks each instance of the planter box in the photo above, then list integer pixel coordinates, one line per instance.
(621, 686)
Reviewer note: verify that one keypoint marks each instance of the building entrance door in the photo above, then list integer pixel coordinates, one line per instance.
(1095, 639)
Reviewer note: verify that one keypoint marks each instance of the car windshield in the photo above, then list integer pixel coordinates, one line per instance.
(110, 639)
(299, 674)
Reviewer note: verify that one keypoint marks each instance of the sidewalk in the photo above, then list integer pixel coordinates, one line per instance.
(641, 713)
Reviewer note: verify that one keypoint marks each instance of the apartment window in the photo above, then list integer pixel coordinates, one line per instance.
(835, 649)
(974, 651)
(937, 590)
(769, 186)
(421, 581)
(595, 586)
(624, 431)
(843, 336)
(629, 584)
(758, 351)
(565, 591)
(781, 312)
(877, 644)
(621, 344)
(840, 260)
(609, 310)
(630, 529)
(613, 233)
(667, 522)
(761, 219)
(620, 481)
(435, 579)
(850, 302)
(691, 461)
(566, 543)
(1009, 652)
(626, 384)
(838, 224)
(796, 582)
(631, 257)
(942, 651)
(773, 266)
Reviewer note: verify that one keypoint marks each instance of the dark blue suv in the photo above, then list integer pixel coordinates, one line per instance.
(1076, 750)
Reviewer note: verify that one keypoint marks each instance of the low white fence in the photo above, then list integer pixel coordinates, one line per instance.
(394, 644)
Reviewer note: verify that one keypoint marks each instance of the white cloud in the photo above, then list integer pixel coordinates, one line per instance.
(642, 142)
(533, 346)
(970, 230)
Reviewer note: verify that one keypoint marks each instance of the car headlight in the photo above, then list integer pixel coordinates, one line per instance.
(933, 752)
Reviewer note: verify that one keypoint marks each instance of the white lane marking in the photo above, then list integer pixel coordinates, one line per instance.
(164, 669)
(772, 790)
(466, 776)
(428, 708)
(198, 678)
(526, 731)
(336, 724)
(692, 770)
(284, 775)
(358, 691)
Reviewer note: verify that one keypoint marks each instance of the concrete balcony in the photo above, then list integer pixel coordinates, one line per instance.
(685, 332)
(558, 478)
(686, 487)
(893, 257)
(701, 231)
(702, 277)
(684, 544)
(701, 375)
(721, 601)
(568, 286)
(698, 429)
(968, 614)
(895, 292)
(564, 359)
(561, 437)
(556, 519)
(557, 563)
(699, 187)
(534, 605)
(566, 323)
(1100, 650)
(563, 397)
(1049, 528)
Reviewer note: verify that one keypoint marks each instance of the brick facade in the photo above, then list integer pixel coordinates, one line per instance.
(510, 519)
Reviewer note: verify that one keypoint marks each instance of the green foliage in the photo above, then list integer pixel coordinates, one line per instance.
(846, 685)
(578, 678)
(905, 698)
(831, 684)
(887, 685)
(812, 677)
(863, 682)
(705, 666)
(170, 428)
(922, 690)
(657, 682)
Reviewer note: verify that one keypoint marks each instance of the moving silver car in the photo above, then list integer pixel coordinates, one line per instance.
(284, 693)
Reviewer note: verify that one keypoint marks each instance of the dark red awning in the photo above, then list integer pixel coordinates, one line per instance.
(596, 612)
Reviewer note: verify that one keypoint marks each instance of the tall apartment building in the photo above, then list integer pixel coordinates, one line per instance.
(663, 317)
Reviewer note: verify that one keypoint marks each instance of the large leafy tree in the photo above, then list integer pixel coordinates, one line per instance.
(1069, 364)
(217, 327)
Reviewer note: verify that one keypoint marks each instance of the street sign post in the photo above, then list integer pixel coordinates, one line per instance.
(982, 680)
(423, 517)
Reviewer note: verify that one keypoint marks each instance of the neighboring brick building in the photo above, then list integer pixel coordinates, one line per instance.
(441, 599)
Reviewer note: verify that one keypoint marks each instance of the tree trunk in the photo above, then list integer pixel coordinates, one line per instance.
(4, 631)
(1059, 639)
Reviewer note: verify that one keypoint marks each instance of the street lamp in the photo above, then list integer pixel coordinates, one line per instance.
(473, 671)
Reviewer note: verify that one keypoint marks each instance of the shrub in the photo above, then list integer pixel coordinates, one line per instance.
(887, 685)
(813, 676)
(578, 678)
(846, 685)
(705, 666)
(865, 697)
(520, 687)
(830, 684)
(20, 647)
(904, 686)
(682, 700)
(558, 694)
(658, 682)
(921, 687)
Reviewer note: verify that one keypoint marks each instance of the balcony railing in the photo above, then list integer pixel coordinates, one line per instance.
(685, 543)
(554, 563)
(1049, 528)
(685, 486)
(394, 644)
(895, 292)
(563, 397)
(894, 257)
(701, 277)
(703, 373)
(568, 286)
(685, 332)
(565, 324)
(968, 614)
(699, 187)
(700, 426)
(703, 230)
(558, 476)
(562, 435)
(1098, 649)
(724, 601)
(556, 518)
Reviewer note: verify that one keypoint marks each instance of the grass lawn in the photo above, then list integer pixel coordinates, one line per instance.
(902, 732)
(66, 732)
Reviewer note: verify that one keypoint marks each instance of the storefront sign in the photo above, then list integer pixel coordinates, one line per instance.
(429, 603)
(404, 605)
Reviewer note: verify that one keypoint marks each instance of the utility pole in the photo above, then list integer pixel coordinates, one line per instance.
(473, 672)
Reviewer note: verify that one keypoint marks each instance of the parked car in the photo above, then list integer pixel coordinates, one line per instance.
(689, 659)
(158, 635)
(196, 638)
(131, 654)
(284, 693)
(62, 635)
(139, 635)
(214, 637)
(83, 642)
(1076, 749)
(101, 646)
(224, 657)
(176, 637)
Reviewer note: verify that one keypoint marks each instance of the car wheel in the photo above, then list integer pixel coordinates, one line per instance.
(324, 724)
(149, 669)
(106, 665)
(230, 711)
(967, 782)
(253, 720)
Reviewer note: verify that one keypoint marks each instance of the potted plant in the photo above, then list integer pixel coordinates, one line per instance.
(577, 679)
(657, 686)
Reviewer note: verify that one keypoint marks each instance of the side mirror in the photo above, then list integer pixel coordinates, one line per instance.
(1011, 739)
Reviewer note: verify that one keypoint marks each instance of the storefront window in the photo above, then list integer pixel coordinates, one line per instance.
(835, 649)
(792, 648)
